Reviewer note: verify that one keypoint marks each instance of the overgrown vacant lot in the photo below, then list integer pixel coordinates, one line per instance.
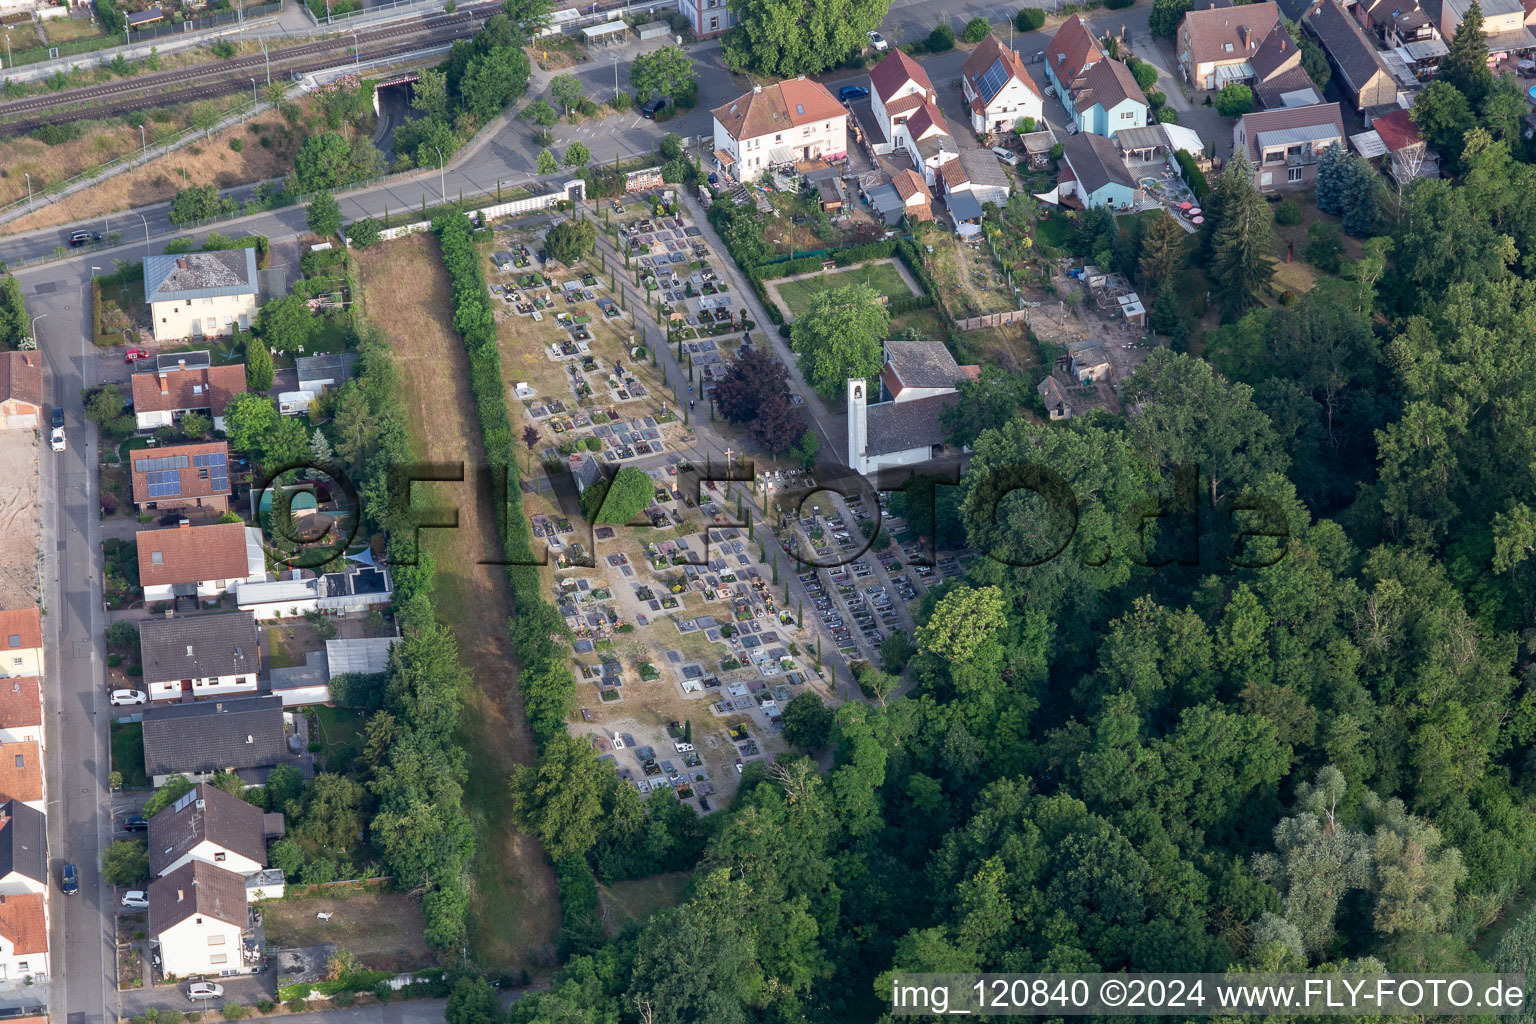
(382, 928)
(514, 910)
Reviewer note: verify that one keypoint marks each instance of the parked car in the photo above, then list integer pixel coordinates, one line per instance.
(654, 105)
(69, 880)
(135, 898)
(56, 439)
(878, 42)
(1007, 156)
(136, 823)
(852, 92)
(134, 355)
(58, 416)
(79, 238)
(121, 698)
(204, 990)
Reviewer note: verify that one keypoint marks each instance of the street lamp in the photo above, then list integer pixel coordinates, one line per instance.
(356, 53)
(146, 235)
(29, 191)
(442, 181)
(253, 96)
(144, 144)
(34, 328)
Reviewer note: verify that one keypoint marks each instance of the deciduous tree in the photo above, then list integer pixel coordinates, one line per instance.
(839, 336)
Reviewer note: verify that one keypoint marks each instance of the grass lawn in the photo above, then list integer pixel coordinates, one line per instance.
(882, 277)
(128, 754)
(1128, 221)
(1055, 232)
(638, 899)
(341, 735)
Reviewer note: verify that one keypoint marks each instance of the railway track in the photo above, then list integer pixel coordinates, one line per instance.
(203, 91)
(438, 26)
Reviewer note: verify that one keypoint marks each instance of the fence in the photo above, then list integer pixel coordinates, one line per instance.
(976, 323)
(337, 888)
(527, 204)
(204, 21)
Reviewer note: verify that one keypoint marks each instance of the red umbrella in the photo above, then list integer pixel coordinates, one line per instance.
(1185, 206)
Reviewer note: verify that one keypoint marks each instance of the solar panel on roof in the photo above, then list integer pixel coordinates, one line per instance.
(163, 483)
(992, 80)
(211, 459)
(163, 462)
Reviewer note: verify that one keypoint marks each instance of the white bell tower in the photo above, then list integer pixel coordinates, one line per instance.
(857, 425)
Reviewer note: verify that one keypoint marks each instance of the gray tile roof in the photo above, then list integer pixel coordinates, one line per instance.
(239, 733)
(984, 168)
(24, 842)
(200, 275)
(206, 813)
(1096, 161)
(922, 364)
(897, 426)
(1341, 35)
(199, 647)
(1108, 83)
(336, 367)
(199, 889)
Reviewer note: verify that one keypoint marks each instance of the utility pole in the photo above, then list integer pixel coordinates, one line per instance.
(34, 328)
(146, 235)
(144, 145)
(269, 61)
(442, 181)
(356, 53)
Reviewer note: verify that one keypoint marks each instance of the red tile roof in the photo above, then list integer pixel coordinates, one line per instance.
(209, 389)
(776, 107)
(21, 378)
(26, 624)
(909, 183)
(927, 121)
(193, 482)
(1211, 31)
(24, 923)
(190, 554)
(21, 771)
(21, 702)
(988, 53)
(895, 71)
(1397, 130)
(1071, 49)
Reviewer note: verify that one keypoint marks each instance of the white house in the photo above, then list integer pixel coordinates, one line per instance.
(187, 382)
(24, 938)
(207, 824)
(21, 642)
(902, 426)
(23, 850)
(201, 294)
(997, 88)
(21, 390)
(200, 656)
(199, 561)
(198, 913)
(21, 709)
(899, 88)
(779, 125)
(244, 735)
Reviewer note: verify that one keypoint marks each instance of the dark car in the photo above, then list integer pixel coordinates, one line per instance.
(654, 105)
(852, 92)
(58, 415)
(136, 823)
(69, 881)
(79, 238)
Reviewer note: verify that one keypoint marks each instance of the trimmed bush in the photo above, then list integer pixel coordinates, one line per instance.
(1287, 213)
(976, 30)
(942, 38)
(1029, 19)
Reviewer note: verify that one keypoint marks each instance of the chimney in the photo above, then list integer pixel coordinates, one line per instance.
(1283, 42)
(183, 524)
(181, 262)
(164, 388)
(181, 362)
(757, 88)
(1242, 34)
(189, 650)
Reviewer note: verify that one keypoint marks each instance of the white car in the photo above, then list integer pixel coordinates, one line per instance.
(56, 439)
(1007, 156)
(135, 898)
(122, 698)
(204, 990)
(878, 42)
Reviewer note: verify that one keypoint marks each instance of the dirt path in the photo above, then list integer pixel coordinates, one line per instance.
(514, 909)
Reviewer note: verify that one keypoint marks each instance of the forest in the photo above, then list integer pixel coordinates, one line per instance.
(1302, 739)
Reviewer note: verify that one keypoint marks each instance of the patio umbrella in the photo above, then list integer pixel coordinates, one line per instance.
(1185, 206)
(1198, 220)
(1195, 212)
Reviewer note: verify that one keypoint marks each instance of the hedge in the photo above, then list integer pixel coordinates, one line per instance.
(908, 304)
(789, 268)
(581, 925)
(1194, 177)
(361, 981)
(538, 631)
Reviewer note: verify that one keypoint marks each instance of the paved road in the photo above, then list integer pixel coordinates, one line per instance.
(78, 822)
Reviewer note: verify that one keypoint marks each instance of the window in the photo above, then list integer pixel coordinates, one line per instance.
(1274, 156)
(1127, 115)
(219, 958)
(219, 856)
(216, 940)
(1294, 174)
(714, 24)
(15, 661)
(20, 761)
(202, 474)
(21, 965)
(198, 920)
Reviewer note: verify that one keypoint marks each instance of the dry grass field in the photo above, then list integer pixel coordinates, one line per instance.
(515, 911)
(383, 929)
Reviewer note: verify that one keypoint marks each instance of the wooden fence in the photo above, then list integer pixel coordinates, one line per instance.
(976, 323)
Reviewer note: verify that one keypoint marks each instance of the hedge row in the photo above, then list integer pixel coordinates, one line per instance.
(361, 981)
(581, 923)
(1194, 177)
(908, 304)
(538, 631)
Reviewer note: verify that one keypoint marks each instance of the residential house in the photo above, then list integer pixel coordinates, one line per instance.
(209, 825)
(21, 709)
(708, 18)
(903, 426)
(1283, 145)
(1278, 77)
(997, 88)
(1529, 7)
(1397, 22)
(914, 194)
(1215, 46)
(244, 735)
(925, 139)
(21, 642)
(1504, 23)
(1360, 68)
(21, 390)
(203, 562)
(1397, 138)
(200, 656)
(198, 914)
(1071, 51)
(24, 938)
(162, 397)
(181, 476)
(899, 87)
(779, 125)
(23, 850)
(21, 774)
(201, 294)
(976, 172)
(1093, 174)
(1105, 99)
